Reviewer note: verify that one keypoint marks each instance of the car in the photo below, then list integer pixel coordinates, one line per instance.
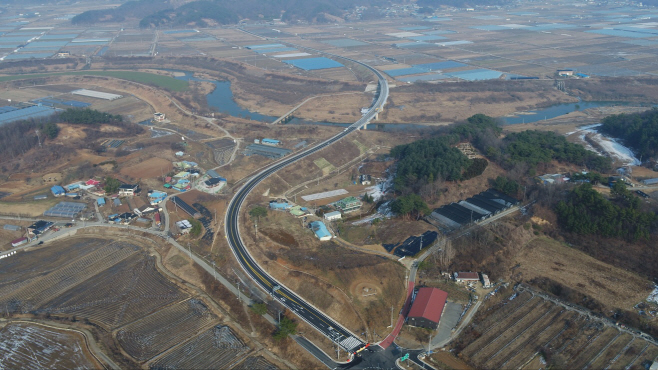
(39, 243)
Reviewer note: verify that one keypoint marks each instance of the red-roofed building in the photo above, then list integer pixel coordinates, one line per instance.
(427, 308)
(92, 182)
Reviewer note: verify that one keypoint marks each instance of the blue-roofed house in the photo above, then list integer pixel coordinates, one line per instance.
(100, 201)
(57, 191)
(279, 205)
(320, 230)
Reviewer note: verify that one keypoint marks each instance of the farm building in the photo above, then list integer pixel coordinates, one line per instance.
(65, 209)
(485, 281)
(348, 204)
(185, 207)
(13, 114)
(213, 174)
(299, 211)
(184, 226)
(96, 94)
(74, 186)
(270, 142)
(116, 202)
(335, 215)
(365, 179)
(565, 72)
(320, 230)
(156, 217)
(466, 277)
(92, 182)
(158, 117)
(214, 182)
(427, 308)
(57, 191)
(279, 205)
(100, 201)
(474, 209)
(12, 227)
(39, 227)
(19, 241)
(41, 197)
(128, 190)
(650, 181)
(182, 175)
(266, 151)
(552, 178)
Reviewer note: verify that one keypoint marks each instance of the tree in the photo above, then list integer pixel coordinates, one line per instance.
(111, 185)
(286, 327)
(506, 185)
(51, 130)
(196, 227)
(257, 212)
(410, 205)
(259, 308)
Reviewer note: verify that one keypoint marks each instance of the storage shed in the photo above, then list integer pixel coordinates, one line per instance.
(427, 308)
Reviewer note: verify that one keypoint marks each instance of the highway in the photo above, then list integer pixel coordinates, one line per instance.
(311, 315)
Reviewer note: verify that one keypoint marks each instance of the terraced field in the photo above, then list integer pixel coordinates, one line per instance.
(215, 348)
(255, 363)
(118, 286)
(513, 335)
(155, 333)
(31, 346)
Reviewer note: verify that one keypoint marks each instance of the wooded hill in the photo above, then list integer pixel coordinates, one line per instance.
(639, 131)
(160, 13)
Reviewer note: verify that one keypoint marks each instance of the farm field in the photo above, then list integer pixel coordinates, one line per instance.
(117, 286)
(215, 348)
(141, 77)
(33, 346)
(524, 325)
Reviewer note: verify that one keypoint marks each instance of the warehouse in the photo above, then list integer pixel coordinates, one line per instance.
(266, 151)
(427, 308)
(57, 191)
(96, 94)
(13, 114)
(19, 241)
(320, 230)
(335, 215)
(185, 207)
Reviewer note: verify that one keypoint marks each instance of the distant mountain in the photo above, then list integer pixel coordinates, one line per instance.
(166, 13)
(462, 3)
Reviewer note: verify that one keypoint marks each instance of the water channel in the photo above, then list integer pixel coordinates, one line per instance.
(221, 98)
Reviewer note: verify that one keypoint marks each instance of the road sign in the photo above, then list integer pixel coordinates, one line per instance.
(405, 357)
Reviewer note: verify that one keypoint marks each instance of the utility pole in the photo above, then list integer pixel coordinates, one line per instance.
(391, 317)
(239, 291)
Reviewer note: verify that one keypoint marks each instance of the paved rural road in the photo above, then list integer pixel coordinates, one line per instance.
(313, 316)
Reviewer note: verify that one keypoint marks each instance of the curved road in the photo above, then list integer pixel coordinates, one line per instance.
(313, 316)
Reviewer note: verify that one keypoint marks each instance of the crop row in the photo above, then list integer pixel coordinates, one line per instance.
(161, 330)
(215, 348)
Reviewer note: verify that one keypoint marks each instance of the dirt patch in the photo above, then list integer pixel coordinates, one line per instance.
(149, 168)
(366, 290)
(280, 236)
(613, 287)
(446, 360)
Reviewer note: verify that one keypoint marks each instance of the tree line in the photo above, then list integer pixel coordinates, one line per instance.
(587, 212)
(89, 117)
(638, 131)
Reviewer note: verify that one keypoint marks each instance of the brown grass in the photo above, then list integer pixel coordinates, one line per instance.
(152, 167)
(612, 286)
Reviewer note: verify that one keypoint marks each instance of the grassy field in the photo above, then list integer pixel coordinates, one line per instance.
(166, 82)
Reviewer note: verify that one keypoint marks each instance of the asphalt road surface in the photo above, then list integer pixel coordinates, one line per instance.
(313, 316)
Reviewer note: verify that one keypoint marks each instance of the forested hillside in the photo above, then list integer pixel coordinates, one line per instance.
(587, 212)
(428, 160)
(158, 13)
(639, 131)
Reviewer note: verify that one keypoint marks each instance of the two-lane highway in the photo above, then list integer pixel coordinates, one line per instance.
(313, 316)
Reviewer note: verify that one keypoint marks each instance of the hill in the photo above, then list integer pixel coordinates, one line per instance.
(169, 13)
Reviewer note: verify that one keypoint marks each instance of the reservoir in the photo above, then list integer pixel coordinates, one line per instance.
(555, 111)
